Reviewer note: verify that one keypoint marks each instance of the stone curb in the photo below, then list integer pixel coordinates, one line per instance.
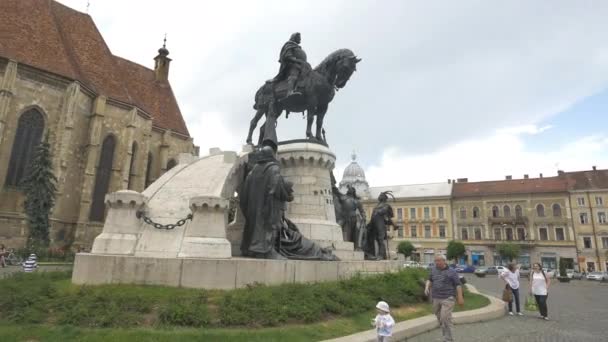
(417, 326)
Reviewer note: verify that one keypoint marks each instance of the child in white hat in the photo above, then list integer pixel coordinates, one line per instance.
(383, 322)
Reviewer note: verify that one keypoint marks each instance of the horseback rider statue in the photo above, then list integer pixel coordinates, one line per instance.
(293, 64)
(377, 229)
(297, 88)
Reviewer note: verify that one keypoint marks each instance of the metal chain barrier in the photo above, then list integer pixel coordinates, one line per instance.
(142, 215)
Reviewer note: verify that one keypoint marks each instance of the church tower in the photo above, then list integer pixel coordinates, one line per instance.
(162, 62)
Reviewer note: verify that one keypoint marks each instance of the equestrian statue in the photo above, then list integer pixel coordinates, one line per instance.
(298, 88)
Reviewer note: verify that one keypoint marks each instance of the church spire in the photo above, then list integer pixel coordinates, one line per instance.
(162, 61)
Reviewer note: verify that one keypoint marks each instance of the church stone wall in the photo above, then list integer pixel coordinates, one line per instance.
(77, 121)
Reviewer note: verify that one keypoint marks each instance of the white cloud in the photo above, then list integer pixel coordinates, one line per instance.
(491, 158)
(436, 79)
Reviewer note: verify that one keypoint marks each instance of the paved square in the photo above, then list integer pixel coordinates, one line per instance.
(578, 311)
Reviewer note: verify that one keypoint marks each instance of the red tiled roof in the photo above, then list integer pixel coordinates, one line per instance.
(515, 186)
(588, 180)
(52, 37)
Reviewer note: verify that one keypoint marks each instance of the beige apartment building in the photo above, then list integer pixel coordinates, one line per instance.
(423, 216)
(589, 203)
(531, 212)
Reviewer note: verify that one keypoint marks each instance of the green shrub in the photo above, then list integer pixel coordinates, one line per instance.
(50, 298)
(406, 248)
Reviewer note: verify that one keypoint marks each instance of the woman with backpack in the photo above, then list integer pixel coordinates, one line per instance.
(539, 287)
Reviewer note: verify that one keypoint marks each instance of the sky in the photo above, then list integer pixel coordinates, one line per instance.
(445, 89)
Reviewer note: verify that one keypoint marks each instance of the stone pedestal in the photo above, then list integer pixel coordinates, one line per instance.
(308, 166)
(122, 227)
(205, 236)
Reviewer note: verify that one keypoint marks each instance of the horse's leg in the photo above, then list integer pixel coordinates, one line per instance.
(310, 117)
(254, 123)
(321, 110)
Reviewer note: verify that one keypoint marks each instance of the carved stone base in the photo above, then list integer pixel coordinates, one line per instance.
(307, 165)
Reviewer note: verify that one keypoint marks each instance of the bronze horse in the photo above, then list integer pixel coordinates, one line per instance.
(317, 88)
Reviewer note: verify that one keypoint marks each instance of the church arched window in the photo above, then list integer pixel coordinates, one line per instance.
(132, 165)
(149, 169)
(102, 179)
(170, 164)
(28, 135)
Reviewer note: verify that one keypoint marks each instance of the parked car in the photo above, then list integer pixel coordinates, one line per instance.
(496, 269)
(550, 273)
(481, 269)
(412, 264)
(596, 275)
(572, 274)
(524, 271)
(430, 266)
(465, 269)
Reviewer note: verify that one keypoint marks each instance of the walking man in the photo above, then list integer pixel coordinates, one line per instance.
(445, 290)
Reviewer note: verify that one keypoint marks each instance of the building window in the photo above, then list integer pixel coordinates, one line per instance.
(413, 231)
(557, 210)
(171, 164)
(587, 242)
(601, 217)
(475, 212)
(427, 213)
(605, 242)
(463, 213)
(509, 234)
(477, 233)
(28, 135)
(599, 200)
(149, 170)
(399, 214)
(495, 212)
(540, 210)
(412, 213)
(518, 211)
(441, 213)
(442, 231)
(497, 234)
(543, 234)
(580, 201)
(521, 234)
(465, 233)
(559, 234)
(427, 231)
(400, 232)
(506, 210)
(583, 218)
(102, 179)
(132, 166)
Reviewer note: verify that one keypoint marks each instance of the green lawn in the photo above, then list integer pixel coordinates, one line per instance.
(49, 308)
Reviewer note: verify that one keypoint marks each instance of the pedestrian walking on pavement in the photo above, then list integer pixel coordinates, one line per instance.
(445, 289)
(511, 277)
(539, 287)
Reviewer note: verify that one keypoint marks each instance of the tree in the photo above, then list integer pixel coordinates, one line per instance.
(562, 268)
(39, 186)
(455, 250)
(406, 248)
(509, 251)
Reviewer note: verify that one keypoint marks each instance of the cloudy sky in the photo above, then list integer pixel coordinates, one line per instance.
(446, 89)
